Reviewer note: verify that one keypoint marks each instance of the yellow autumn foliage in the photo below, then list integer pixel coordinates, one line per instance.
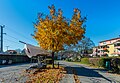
(54, 30)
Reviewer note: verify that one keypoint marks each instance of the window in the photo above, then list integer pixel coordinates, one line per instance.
(114, 50)
(104, 42)
(110, 42)
(117, 44)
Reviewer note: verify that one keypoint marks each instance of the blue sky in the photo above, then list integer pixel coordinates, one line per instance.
(103, 17)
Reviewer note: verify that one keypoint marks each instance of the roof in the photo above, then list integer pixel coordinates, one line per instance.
(31, 51)
(11, 50)
(110, 39)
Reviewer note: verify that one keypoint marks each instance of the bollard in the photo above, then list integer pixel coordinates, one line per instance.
(58, 65)
(108, 65)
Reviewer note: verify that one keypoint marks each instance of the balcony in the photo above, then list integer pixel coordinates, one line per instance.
(100, 49)
(117, 45)
(116, 53)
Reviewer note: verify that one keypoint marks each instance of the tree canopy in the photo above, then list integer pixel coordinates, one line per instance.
(54, 30)
(84, 45)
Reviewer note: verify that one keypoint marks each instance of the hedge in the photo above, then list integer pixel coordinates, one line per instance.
(110, 63)
(100, 62)
(85, 61)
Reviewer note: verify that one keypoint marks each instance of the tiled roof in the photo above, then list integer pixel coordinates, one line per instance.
(110, 39)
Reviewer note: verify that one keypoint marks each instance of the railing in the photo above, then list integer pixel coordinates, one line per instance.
(117, 44)
(118, 47)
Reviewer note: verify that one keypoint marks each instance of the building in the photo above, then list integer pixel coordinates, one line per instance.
(109, 47)
(11, 52)
(95, 51)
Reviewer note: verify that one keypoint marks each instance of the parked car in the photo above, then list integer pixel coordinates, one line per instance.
(3, 62)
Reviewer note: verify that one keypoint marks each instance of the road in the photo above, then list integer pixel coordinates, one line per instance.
(16, 74)
(91, 75)
(13, 73)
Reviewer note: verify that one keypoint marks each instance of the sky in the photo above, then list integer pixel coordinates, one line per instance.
(103, 17)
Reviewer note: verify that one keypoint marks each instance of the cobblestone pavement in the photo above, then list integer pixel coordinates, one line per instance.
(91, 75)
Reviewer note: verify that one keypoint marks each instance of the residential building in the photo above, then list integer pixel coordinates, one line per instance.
(95, 51)
(109, 47)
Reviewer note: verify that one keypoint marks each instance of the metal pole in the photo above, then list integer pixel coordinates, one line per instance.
(7, 47)
(2, 38)
(22, 42)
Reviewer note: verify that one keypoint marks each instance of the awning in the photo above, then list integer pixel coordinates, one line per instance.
(31, 50)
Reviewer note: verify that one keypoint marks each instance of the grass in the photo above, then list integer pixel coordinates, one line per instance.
(88, 64)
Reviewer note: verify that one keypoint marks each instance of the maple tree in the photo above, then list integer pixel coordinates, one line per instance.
(53, 31)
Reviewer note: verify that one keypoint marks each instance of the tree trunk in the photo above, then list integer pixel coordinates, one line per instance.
(53, 59)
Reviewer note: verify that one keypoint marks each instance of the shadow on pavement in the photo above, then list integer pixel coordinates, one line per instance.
(82, 71)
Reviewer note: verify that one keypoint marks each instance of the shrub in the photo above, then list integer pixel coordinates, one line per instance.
(101, 62)
(74, 59)
(85, 60)
(115, 63)
(105, 62)
(68, 59)
(94, 61)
